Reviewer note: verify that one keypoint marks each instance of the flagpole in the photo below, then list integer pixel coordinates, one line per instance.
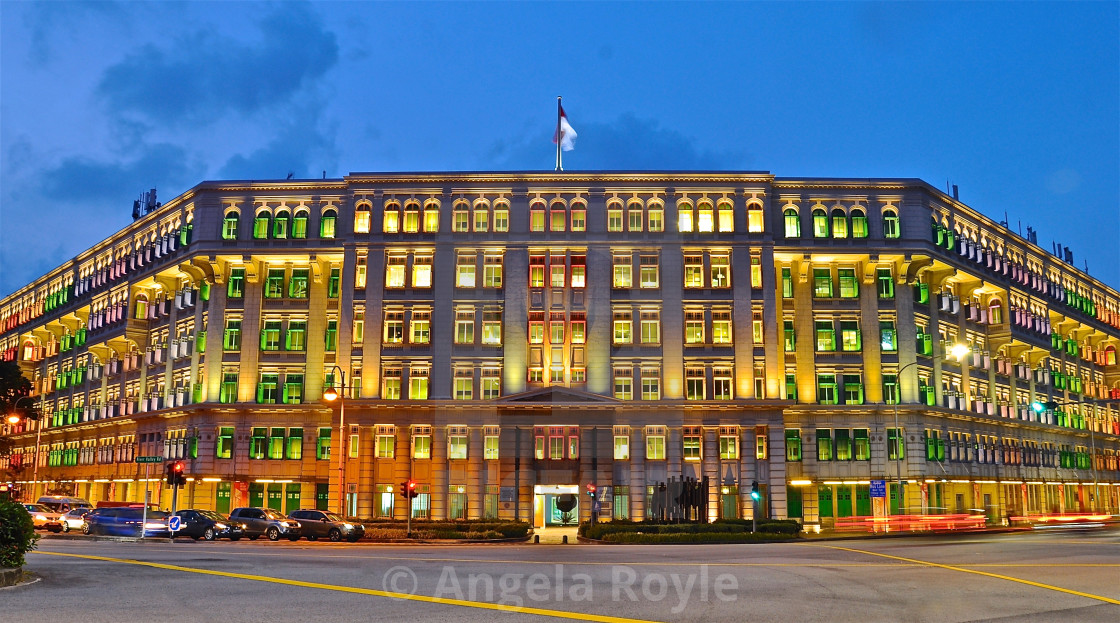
(559, 137)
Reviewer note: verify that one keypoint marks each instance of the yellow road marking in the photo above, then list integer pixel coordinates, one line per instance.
(964, 570)
(544, 612)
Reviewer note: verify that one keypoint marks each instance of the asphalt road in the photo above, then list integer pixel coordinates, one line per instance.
(1038, 576)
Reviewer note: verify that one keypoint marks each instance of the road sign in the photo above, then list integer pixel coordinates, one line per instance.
(149, 459)
(174, 523)
(878, 488)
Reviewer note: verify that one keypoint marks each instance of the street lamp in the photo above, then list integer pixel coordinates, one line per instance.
(14, 418)
(330, 395)
(957, 351)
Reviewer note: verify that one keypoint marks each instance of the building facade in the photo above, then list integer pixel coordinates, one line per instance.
(506, 339)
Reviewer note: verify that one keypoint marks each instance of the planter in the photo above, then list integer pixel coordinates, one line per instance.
(10, 577)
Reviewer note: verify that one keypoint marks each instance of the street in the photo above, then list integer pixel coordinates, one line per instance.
(1034, 576)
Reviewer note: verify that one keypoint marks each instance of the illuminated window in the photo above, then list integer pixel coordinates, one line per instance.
(853, 389)
(327, 224)
(721, 327)
(293, 392)
(359, 327)
(705, 217)
(385, 442)
(694, 326)
(460, 218)
(623, 327)
(614, 217)
(411, 223)
(260, 225)
(623, 267)
(756, 271)
(394, 327)
(849, 286)
(360, 272)
(391, 218)
(330, 335)
(787, 283)
(623, 383)
(726, 216)
(822, 283)
(391, 383)
(839, 223)
(721, 270)
(558, 275)
(421, 442)
(634, 217)
(492, 390)
(579, 271)
(756, 327)
(556, 328)
(890, 224)
(824, 444)
(691, 443)
(481, 218)
(890, 389)
(655, 443)
(464, 326)
(501, 217)
(694, 271)
(850, 336)
(826, 336)
(395, 271)
(790, 340)
(270, 335)
(896, 447)
(888, 336)
(465, 266)
(536, 327)
(651, 326)
(418, 385)
(885, 283)
(820, 223)
(536, 271)
(621, 443)
(793, 223)
(296, 337)
(536, 217)
(729, 443)
(558, 217)
(826, 389)
(656, 217)
(299, 224)
(431, 218)
(694, 384)
(492, 327)
(457, 442)
(579, 216)
(579, 328)
(651, 384)
(231, 339)
(274, 283)
(684, 217)
(859, 223)
(422, 271)
(721, 383)
(361, 218)
(267, 389)
(648, 271)
(421, 326)
(230, 225)
(464, 384)
(492, 271)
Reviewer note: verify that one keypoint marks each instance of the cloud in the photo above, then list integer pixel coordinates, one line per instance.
(300, 145)
(46, 20)
(628, 143)
(84, 180)
(200, 76)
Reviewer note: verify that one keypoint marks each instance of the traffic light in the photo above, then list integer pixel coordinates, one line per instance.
(412, 490)
(754, 490)
(591, 489)
(1039, 407)
(175, 475)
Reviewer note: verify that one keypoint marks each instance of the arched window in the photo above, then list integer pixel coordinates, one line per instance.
(230, 225)
(684, 217)
(1110, 356)
(725, 215)
(260, 225)
(820, 224)
(754, 217)
(481, 217)
(839, 223)
(705, 217)
(299, 223)
(280, 224)
(327, 224)
(431, 218)
(460, 217)
(536, 216)
(141, 306)
(557, 216)
(859, 223)
(655, 216)
(890, 224)
(995, 311)
(579, 216)
(361, 218)
(411, 218)
(793, 223)
(501, 216)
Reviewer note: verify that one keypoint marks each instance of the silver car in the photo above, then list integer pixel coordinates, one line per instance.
(74, 519)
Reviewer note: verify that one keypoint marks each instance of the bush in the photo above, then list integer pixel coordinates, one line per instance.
(731, 529)
(475, 529)
(17, 534)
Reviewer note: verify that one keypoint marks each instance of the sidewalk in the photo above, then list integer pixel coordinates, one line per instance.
(554, 535)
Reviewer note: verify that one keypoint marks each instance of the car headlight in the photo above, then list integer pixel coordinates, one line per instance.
(40, 517)
(347, 526)
(220, 526)
(154, 526)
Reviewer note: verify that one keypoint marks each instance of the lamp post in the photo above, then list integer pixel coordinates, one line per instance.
(330, 395)
(957, 351)
(14, 418)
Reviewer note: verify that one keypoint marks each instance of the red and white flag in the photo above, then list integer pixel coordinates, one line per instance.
(564, 134)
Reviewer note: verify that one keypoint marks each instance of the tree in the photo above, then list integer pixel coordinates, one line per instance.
(13, 386)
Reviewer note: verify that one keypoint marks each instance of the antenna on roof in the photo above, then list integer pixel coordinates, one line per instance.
(291, 174)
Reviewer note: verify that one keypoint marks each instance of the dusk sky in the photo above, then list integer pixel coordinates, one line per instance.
(1016, 103)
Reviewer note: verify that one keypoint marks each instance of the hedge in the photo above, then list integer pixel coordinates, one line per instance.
(387, 529)
(698, 537)
(783, 528)
(17, 534)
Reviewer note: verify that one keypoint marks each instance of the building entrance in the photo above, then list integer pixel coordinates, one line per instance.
(555, 505)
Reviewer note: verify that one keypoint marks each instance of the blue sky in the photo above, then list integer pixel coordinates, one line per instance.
(1017, 103)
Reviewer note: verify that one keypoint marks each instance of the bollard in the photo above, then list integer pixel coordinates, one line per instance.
(565, 541)
(536, 538)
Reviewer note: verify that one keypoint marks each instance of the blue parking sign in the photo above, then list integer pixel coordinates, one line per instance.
(174, 523)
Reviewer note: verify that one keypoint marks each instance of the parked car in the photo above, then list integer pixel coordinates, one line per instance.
(208, 525)
(266, 522)
(317, 523)
(44, 518)
(63, 503)
(126, 522)
(74, 519)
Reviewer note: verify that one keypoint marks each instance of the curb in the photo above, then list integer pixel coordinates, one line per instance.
(10, 577)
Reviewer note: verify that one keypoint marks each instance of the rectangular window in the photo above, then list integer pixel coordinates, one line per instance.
(623, 327)
(293, 389)
(463, 384)
(787, 283)
(793, 445)
(421, 326)
(360, 272)
(693, 271)
(274, 283)
(228, 392)
(296, 338)
(655, 443)
(391, 219)
(656, 218)
(456, 442)
(422, 442)
(634, 217)
(691, 442)
(614, 217)
(849, 286)
(622, 267)
(323, 444)
(492, 327)
(621, 443)
(297, 287)
(391, 384)
(294, 449)
(492, 271)
(861, 444)
(268, 388)
(270, 335)
(853, 389)
(694, 326)
(721, 384)
(491, 383)
(460, 218)
(330, 337)
(579, 217)
(422, 271)
(720, 268)
(418, 383)
(385, 442)
(791, 387)
(850, 336)
(623, 383)
(648, 271)
(824, 444)
(721, 327)
(789, 339)
(490, 443)
(558, 217)
(884, 283)
(843, 445)
(826, 389)
(257, 443)
(896, 449)
(694, 384)
(822, 283)
(890, 389)
(235, 289)
(501, 217)
(395, 271)
(536, 217)
(481, 218)
(826, 336)
(756, 327)
(888, 337)
(231, 339)
(359, 331)
(579, 271)
(464, 326)
(276, 443)
(651, 326)
(728, 443)
(223, 446)
(393, 332)
(465, 270)
(756, 271)
(651, 384)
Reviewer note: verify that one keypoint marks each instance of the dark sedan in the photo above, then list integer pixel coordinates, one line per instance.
(126, 522)
(208, 525)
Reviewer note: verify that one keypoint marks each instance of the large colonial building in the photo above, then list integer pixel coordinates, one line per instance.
(504, 339)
